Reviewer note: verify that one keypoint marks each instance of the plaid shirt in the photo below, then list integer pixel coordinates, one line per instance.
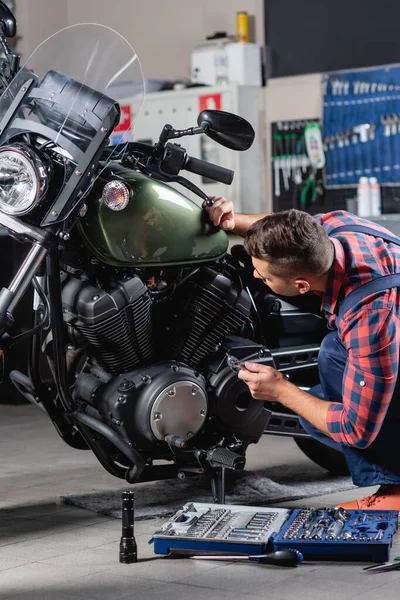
(370, 331)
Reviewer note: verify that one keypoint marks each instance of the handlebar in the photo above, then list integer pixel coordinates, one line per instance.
(206, 169)
(174, 160)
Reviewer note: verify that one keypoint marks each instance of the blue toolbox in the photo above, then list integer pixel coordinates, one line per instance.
(324, 534)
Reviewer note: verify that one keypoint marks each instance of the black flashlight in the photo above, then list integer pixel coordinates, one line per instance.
(127, 545)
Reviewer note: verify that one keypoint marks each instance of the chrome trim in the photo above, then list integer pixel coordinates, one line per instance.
(42, 168)
(25, 274)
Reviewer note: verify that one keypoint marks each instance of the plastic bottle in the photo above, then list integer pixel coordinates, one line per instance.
(242, 27)
(375, 197)
(363, 198)
(221, 65)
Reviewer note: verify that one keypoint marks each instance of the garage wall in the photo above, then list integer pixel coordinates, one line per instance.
(164, 32)
(145, 24)
(37, 20)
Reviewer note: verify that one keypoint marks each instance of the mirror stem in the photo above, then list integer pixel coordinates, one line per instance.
(169, 133)
(177, 133)
(14, 63)
(3, 42)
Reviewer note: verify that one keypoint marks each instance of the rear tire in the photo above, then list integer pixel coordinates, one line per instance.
(324, 456)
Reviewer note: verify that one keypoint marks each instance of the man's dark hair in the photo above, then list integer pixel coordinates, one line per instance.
(292, 242)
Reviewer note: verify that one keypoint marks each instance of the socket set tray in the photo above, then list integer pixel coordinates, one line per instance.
(327, 533)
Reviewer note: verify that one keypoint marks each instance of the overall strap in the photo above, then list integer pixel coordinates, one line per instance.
(379, 284)
(367, 230)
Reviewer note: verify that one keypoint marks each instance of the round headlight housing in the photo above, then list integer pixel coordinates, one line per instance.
(24, 178)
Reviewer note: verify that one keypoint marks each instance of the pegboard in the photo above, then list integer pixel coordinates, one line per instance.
(329, 200)
(287, 141)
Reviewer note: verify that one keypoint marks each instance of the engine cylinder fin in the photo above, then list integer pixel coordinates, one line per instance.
(209, 317)
(124, 340)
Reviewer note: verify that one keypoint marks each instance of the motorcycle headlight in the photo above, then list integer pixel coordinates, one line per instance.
(23, 179)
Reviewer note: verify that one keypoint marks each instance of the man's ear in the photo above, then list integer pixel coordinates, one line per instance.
(303, 286)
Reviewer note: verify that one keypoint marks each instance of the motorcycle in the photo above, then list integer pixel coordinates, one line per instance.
(139, 311)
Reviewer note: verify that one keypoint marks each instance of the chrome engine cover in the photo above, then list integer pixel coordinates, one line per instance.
(149, 403)
(179, 409)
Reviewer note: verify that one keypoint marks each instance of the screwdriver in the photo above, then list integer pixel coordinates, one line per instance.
(279, 558)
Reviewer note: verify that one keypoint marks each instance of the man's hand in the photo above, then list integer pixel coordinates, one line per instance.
(221, 213)
(265, 383)
(268, 384)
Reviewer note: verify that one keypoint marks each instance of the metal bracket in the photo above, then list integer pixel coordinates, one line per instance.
(285, 424)
(80, 179)
(15, 104)
(218, 486)
(293, 358)
(27, 232)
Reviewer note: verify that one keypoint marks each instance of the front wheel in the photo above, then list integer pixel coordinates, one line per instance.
(324, 456)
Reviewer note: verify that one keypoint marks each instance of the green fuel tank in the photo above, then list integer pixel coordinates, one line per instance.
(158, 227)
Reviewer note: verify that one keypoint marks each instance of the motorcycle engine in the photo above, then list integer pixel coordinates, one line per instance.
(153, 390)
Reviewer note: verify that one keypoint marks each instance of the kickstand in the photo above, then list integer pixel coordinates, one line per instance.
(218, 486)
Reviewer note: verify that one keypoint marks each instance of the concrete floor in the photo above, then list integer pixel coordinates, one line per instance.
(55, 552)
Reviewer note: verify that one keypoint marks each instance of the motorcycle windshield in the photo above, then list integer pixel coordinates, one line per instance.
(66, 95)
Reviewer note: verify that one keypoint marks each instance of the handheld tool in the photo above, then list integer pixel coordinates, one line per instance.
(309, 192)
(236, 365)
(279, 558)
(335, 529)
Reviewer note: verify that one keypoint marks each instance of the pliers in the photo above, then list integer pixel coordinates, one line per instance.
(308, 194)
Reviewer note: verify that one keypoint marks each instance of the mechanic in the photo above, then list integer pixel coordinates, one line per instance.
(341, 257)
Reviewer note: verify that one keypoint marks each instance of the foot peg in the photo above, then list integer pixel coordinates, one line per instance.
(225, 459)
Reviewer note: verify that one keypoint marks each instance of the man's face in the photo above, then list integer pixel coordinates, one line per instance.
(279, 285)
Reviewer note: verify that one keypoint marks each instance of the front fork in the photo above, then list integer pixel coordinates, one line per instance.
(42, 249)
(10, 296)
(42, 241)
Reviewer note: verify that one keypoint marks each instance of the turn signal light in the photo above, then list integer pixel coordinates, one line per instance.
(116, 195)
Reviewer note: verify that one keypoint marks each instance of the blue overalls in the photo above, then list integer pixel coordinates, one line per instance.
(379, 463)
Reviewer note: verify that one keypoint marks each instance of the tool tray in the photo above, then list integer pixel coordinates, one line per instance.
(364, 535)
(321, 534)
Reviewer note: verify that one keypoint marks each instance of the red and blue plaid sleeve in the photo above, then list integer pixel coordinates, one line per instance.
(372, 338)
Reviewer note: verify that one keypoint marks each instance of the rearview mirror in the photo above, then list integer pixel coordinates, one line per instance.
(227, 129)
(8, 25)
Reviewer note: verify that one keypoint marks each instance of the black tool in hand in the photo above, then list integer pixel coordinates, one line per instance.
(279, 558)
(127, 545)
